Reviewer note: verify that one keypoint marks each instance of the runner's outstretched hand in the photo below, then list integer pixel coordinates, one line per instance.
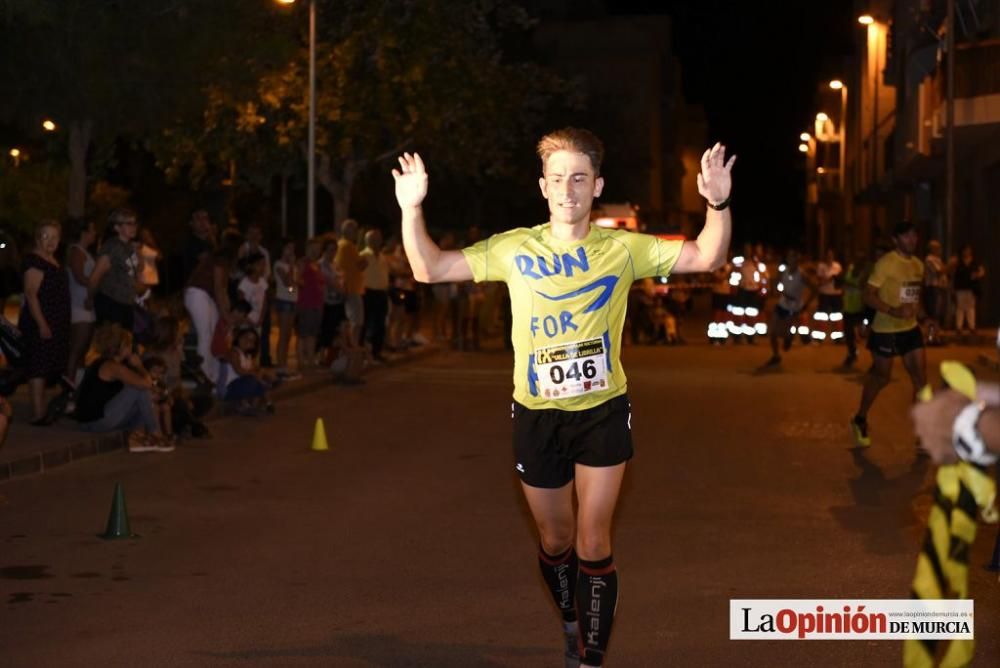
(411, 181)
(715, 181)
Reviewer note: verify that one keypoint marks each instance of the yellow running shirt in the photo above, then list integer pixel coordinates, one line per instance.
(568, 302)
(899, 281)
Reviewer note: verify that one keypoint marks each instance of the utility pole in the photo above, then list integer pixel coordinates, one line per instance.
(949, 134)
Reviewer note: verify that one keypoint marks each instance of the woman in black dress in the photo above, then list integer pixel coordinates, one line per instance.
(45, 316)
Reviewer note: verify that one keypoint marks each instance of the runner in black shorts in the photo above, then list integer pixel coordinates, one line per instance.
(549, 442)
(893, 290)
(569, 283)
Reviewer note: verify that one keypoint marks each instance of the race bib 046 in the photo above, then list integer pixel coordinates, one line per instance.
(572, 369)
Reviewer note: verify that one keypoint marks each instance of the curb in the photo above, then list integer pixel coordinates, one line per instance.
(40, 462)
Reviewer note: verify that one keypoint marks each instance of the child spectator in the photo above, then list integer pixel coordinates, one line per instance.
(246, 382)
(222, 339)
(186, 408)
(253, 287)
(162, 401)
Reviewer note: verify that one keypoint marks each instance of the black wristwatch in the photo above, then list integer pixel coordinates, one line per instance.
(724, 204)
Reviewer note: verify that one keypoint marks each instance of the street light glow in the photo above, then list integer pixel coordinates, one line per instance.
(48, 125)
(805, 136)
(804, 148)
(836, 84)
(822, 117)
(15, 152)
(821, 170)
(866, 19)
(286, 2)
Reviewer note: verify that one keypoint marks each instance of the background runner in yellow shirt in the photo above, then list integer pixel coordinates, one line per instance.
(893, 290)
(569, 282)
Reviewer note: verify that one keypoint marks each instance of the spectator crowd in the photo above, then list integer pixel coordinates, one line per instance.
(98, 339)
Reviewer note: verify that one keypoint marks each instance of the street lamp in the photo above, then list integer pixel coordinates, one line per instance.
(837, 84)
(16, 154)
(866, 19)
(48, 125)
(805, 136)
(822, 117)
(311, 157)
(804, 148)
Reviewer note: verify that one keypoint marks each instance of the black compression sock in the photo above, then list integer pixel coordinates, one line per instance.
(596, 600)
(559, 573)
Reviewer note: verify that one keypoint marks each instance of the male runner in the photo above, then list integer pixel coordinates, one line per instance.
(791, 288)
(893, 290)
(569, 282)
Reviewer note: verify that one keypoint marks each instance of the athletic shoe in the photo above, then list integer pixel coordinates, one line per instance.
(163, 444)
(140, 442)
(571, 633)
(773, 362)
(859, 427)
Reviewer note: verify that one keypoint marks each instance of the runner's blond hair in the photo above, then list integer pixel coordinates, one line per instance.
(577, 140)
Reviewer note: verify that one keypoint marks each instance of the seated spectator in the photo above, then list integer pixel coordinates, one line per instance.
(115, 393)
(162, 401)
(246, 382)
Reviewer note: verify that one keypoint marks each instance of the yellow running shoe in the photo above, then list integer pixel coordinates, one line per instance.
(859, 427)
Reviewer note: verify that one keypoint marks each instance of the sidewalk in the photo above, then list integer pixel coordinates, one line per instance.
(30, 450)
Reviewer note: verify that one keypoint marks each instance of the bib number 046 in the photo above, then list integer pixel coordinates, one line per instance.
(574, 371)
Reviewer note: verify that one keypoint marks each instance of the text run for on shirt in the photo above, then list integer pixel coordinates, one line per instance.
(552, 326)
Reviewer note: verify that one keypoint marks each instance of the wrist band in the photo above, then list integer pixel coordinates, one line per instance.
(724, 204)
(968, 443)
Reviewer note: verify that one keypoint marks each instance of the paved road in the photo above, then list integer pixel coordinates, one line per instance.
(408, 545)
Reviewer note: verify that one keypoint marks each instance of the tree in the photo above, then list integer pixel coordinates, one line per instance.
(392, 75)
(107, 70)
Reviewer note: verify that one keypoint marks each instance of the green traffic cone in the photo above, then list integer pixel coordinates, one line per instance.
(118, 518)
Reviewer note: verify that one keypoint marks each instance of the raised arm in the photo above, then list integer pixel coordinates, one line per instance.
(708, 251)
(430, 264)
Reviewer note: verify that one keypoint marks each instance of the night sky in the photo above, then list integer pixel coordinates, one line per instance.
(756, 68)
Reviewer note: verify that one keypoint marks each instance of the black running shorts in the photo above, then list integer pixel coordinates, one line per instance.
(890, 344)
(549, 442)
